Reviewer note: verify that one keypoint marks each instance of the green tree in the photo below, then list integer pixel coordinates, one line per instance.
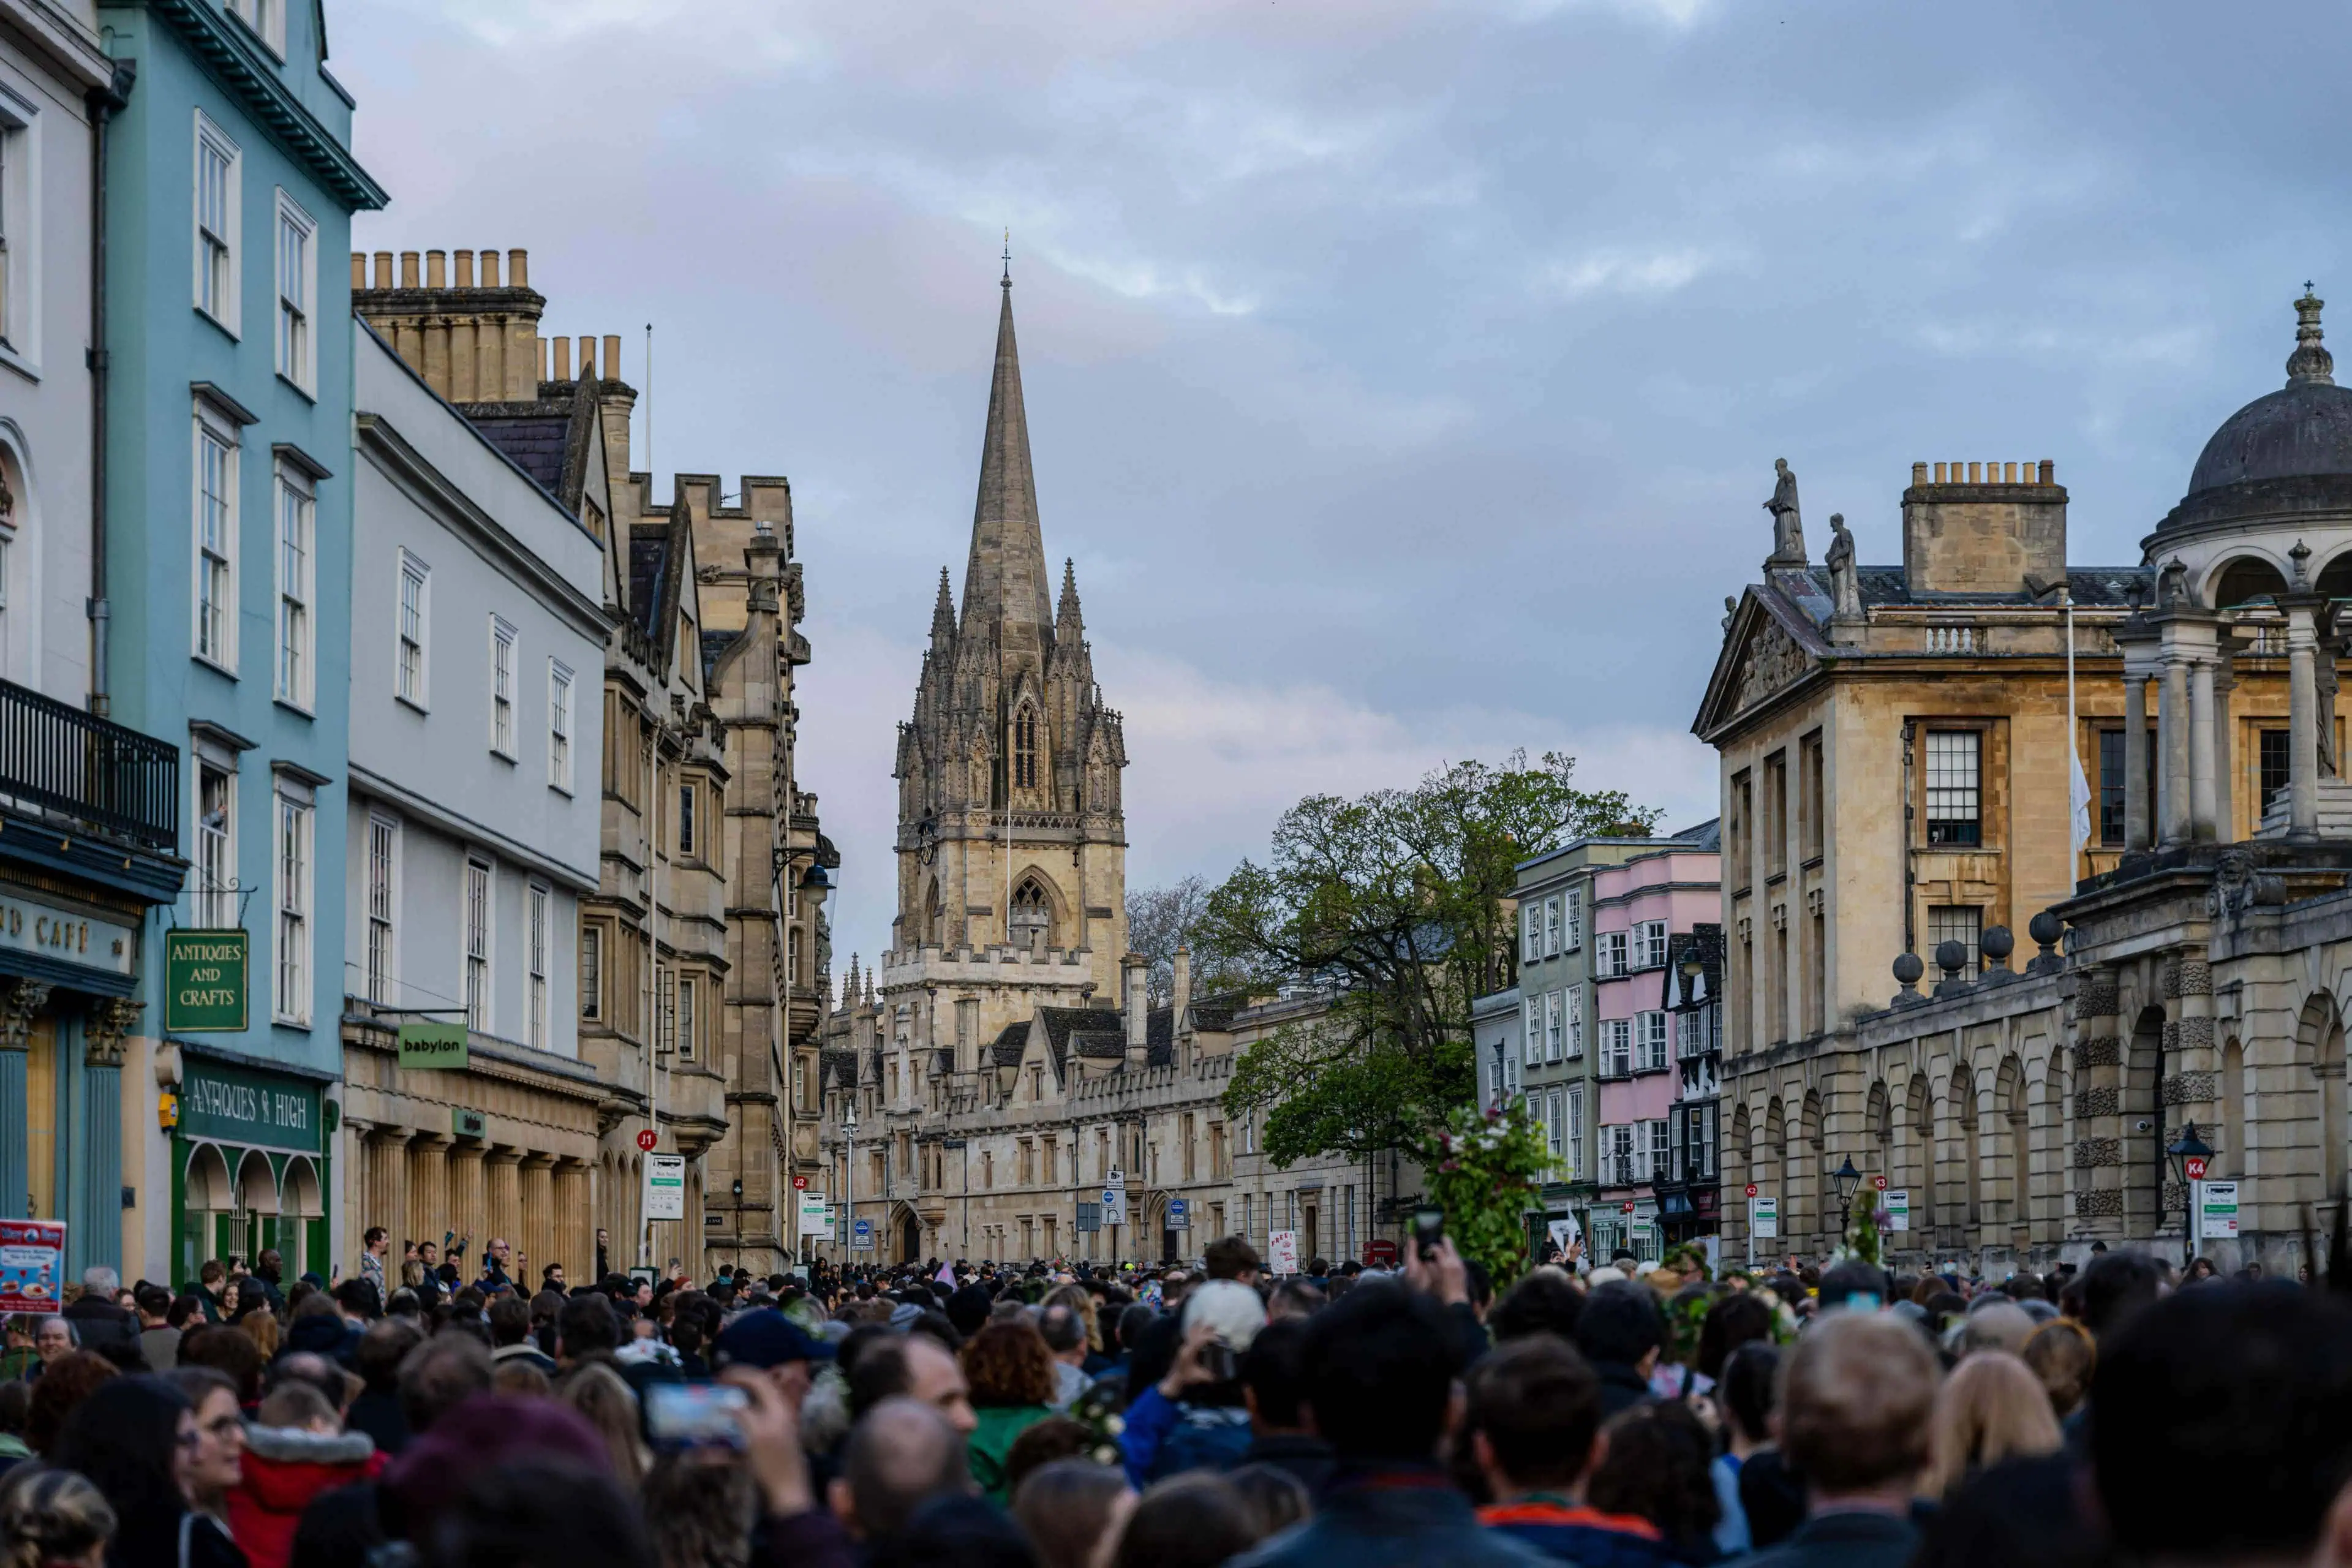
(1398, 902)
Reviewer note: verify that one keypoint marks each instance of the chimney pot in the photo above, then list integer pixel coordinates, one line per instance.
(462, 275)
(587, 357)
(611, 356)
(489, 269)
(517, 269)
(2008, 473)
(408, 278)
(562, 359)
(543, 363)
(2049, 472)
(1918, 473)
(1939, 473)
(437, 269)
(383, 268)
(359, 270)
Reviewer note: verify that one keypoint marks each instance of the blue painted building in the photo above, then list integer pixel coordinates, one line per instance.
(229, 190)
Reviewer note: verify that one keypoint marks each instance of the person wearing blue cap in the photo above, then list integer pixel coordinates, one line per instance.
(764, 1340)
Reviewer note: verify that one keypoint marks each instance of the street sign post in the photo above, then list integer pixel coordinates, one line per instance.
(1114, 1205)
(799, 1183)
(1763, 1224)
(861, 1236)
(1898, 1209)
(664, 1186)
(2216, 1207)
(646, 1139)
(1179, 1214)
(816, 1216)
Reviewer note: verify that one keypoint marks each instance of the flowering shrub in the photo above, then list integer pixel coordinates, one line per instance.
(1483, 1171)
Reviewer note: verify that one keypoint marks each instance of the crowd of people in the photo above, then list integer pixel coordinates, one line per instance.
(1046, 1415)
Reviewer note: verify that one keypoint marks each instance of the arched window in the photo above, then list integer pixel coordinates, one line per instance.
(1033, 915)
(1024, 747)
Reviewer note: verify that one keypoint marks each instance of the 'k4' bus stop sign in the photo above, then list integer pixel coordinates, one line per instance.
(206, 975)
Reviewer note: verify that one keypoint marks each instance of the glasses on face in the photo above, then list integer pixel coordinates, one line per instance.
(224, 1426)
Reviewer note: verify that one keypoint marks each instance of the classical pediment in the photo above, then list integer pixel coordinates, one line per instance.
(1770, 646)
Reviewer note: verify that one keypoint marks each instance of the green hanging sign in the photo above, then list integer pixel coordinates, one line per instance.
(432, 1047)
(207, 976)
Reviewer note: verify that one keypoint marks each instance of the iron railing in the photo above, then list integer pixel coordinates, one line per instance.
(114, 780)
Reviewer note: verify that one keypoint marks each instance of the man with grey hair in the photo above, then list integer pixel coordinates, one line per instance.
(901, 1456)
(102, 1325)
(1066, 1336)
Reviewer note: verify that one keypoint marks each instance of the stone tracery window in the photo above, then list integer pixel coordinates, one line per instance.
(1024, 747)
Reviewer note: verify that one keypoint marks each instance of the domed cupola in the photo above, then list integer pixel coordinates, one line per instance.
(2285, 456)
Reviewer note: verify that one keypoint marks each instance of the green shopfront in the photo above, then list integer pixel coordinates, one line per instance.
(249, 1163)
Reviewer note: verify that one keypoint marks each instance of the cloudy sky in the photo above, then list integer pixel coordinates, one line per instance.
(1404, 377)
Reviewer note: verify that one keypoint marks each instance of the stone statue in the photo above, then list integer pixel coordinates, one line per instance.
(1845, 582)
(1787, 527)
(1730, 608)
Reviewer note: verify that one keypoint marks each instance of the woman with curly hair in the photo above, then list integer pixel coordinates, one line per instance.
(2060, 1352)
(53, 1517)
(1012, 1376)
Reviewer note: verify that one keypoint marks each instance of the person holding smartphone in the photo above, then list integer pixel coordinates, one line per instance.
(1196, 1417)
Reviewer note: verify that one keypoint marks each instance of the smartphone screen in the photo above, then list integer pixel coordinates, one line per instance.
(693, 1414)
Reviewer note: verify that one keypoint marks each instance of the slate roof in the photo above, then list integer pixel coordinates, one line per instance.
(714, 648)
(534, 441)
(648, 557)
(1010, 1043)
(1707, 835)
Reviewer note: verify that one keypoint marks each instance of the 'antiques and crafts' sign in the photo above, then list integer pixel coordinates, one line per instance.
(206, 975)
(237, 1105)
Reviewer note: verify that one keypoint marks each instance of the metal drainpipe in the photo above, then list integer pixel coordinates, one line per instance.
(1910, 865)
(102, 101)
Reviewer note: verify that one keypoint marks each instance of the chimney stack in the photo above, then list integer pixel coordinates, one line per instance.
(611, 356)
(1182, 997)
(437, 269)
(408, 277)
(1138, 1039)
(383, 268)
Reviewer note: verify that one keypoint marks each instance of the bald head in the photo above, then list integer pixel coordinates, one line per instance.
(902, 1455)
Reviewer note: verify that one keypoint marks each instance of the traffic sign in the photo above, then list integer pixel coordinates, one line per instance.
(665, 1187)
(799, 1183)
(1751, 1189)
(1879, 1182)
(647, 1139)
(1629, 1208)
(861, 1236)
(1179, 1214)
(1114, 1205)
(2196, 1163)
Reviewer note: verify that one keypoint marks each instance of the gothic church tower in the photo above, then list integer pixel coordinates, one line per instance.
(1011, 842)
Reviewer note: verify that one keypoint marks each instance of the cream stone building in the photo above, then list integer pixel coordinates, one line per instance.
(982, 1085)
(688, 947)
(1897, 746)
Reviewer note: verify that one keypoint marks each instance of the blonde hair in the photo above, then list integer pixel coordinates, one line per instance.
(611, 1407)
(261, 1328)
(50, 1516)
(2062, 1354)
(1081, 1300)
(1991, 1408)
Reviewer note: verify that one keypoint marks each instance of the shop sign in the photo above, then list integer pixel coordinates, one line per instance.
(207, 976)
(239, 1105)
(32, 1265)
(432, 1047)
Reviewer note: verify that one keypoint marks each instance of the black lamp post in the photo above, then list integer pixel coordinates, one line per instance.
(2183, 1149)
(1847, 1178)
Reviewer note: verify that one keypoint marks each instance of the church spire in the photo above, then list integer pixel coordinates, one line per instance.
(943, 615)
(1006, 581)
(1068, 625)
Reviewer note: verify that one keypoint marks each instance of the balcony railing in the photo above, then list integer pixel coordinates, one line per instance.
(114, 779)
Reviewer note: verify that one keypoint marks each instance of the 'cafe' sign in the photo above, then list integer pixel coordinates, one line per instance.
(43, 931)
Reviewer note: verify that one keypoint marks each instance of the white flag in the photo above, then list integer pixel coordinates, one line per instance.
(2078, 794)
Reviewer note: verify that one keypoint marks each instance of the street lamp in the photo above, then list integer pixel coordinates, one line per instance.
(1847, 1178)
(2188, 1154)
(849, 1175)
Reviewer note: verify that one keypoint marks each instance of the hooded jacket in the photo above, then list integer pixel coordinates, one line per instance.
(285, 1467)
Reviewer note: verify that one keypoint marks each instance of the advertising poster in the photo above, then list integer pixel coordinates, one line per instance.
(32, 1265)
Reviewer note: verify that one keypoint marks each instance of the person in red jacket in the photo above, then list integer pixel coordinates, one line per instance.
(294, 1449)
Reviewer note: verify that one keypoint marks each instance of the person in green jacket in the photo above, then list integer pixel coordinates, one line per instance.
(1012, 1376)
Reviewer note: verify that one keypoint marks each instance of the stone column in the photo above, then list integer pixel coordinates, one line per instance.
(469, 1206)
(428, 1187)
(505, 1215)
(2139, 810)
(387, 1165)
(2303, 725)
(537, 1242)
(2203, 805)
(575, 1246)
(102, 1128)
(2097, 1172)
(2174, 763)
(2225, 682)
(19, 1001)
(2189, 1086)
